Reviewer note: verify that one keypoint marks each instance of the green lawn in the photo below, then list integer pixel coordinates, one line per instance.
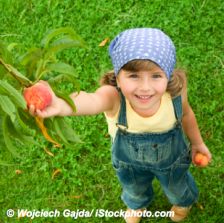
(87, 180)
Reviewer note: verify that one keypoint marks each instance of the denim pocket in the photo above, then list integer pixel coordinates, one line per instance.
(150, 152)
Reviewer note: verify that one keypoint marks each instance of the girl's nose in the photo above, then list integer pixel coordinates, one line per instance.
(146, 85)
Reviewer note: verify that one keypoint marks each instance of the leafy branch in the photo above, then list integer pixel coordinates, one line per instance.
(16, 74)
(17, 126)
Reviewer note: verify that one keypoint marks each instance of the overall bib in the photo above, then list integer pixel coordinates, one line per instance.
(138, 158)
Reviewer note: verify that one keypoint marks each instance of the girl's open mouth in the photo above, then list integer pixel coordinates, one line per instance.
(143, 97)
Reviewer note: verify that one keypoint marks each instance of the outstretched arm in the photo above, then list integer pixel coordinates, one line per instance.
(104, 99)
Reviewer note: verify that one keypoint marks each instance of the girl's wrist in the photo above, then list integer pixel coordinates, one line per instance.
(197, 144)
(64, 108)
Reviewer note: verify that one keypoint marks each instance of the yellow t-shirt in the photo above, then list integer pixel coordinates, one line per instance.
(163, 120)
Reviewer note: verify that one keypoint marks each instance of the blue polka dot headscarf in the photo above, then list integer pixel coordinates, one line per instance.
(143, 43)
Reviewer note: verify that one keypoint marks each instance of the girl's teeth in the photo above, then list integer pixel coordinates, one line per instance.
(143, 97)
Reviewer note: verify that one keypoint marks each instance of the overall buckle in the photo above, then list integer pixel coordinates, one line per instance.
(123, 128)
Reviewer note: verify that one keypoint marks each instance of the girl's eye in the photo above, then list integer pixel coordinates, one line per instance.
(156, 75)
(133, 76)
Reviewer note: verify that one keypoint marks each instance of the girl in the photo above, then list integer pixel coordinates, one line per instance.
(146, 107)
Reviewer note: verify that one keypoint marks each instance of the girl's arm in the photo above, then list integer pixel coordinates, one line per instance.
(104, 99)
(191, 129)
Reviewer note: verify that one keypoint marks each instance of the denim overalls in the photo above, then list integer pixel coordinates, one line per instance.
(138, 158)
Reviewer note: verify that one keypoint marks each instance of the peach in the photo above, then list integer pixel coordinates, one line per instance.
(201, 160)
(38, 95)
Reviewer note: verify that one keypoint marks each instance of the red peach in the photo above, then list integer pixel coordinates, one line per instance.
(201, 160)
(38, 95)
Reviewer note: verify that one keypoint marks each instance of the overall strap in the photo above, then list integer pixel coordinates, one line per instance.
(177, 103)
(122, 119)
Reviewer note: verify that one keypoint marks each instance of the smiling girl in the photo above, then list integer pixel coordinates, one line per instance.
(146, 107)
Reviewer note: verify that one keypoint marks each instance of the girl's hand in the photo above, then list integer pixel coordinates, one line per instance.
(53, 109)
(201, 148)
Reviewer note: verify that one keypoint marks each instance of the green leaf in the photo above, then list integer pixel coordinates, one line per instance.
(6, 125)
(20, 135)
(8, 107)
(22, 126)
(20, 76)
(62, 68)
(59, 130)
(66, 97)
(64, 43)
(16, 74)
(28, 121)
(54, 33)
(67, 73)
(31, 60)
(31, 56)
(67, 130)
(4, 52)
(64, 131)
(55, 81)
(12, 93)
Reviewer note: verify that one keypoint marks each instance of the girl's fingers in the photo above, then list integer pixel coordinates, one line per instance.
(32, 110)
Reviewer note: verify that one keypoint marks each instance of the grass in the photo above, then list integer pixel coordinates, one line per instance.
(87, 180)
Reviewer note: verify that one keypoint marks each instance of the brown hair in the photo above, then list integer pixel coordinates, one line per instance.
(175, 85)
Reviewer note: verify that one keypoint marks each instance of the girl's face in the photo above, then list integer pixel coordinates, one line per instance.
(143, 89)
